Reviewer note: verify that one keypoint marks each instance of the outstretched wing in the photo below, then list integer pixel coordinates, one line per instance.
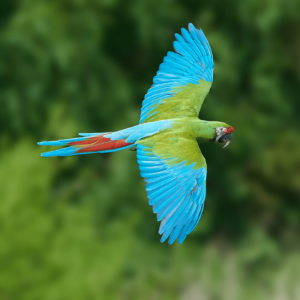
(175, 173)
(183, 79)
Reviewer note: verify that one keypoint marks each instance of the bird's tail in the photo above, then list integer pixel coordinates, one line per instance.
(106, 142)
(88, 143)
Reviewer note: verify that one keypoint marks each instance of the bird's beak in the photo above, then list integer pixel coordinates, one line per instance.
(227, 143)
(217, 138)
(224, 138)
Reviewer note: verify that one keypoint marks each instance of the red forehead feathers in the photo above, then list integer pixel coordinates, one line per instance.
(229, 129)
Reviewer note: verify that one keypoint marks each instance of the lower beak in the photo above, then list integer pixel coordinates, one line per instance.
(227, 143)
(218, 137)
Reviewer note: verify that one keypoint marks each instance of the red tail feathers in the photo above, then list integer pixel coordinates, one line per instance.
(85, 145)
(99, 143)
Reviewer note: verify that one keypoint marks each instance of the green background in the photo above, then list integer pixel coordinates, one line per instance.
(80, 227)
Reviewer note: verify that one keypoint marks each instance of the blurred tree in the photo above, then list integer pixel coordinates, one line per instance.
(80, 227)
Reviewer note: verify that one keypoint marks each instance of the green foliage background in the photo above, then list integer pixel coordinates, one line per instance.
(80, 227)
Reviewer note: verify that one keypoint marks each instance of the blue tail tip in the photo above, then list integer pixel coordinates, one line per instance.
(43, 143)
(46, 154)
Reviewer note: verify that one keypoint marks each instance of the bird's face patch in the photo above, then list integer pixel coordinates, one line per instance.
(224, 135)
(229, 129)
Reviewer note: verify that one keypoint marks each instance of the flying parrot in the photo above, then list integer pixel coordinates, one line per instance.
(168, 135)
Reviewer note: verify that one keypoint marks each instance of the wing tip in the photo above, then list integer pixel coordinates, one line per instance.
(180, 239)
(163, 238)
(171, 240)
(191, 27)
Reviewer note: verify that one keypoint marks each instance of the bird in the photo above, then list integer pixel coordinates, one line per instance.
(166, 140)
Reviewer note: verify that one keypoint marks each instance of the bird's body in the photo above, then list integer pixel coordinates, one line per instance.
(167, 136)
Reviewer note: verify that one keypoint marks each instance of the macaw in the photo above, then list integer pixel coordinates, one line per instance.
(168, 135)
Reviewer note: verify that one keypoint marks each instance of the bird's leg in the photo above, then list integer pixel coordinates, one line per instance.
(134, 148)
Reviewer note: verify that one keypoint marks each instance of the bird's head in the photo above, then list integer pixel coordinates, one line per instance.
(224, 135)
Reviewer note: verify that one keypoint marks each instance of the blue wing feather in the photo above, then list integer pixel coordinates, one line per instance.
(187, 47)
(169, 222)
(175, 190)
(170, 205)
(181, 49)
(192, 62)
(183, 219)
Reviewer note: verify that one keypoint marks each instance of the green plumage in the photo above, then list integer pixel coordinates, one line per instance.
(186, 102)
(181, 140)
